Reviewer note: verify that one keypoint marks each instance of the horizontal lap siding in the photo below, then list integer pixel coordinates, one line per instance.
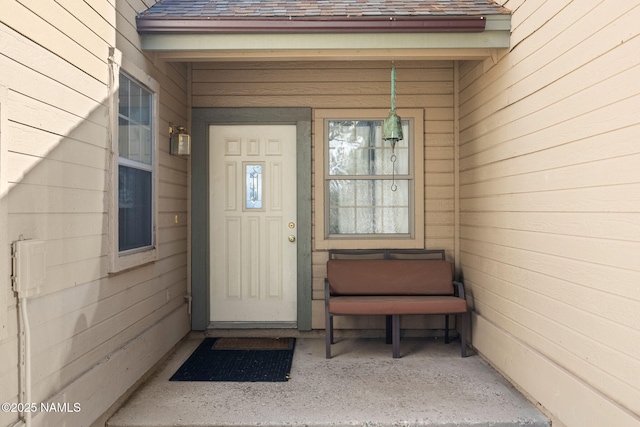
(53, 57)
(353, 84)
(550, 208)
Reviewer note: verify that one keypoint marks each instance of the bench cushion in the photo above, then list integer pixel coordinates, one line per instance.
(397, 304)
(390, 277)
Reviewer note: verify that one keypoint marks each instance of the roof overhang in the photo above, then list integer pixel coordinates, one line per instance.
(201, 39)
(462, 24)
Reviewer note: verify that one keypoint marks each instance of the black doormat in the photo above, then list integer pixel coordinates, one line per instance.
(237, 362)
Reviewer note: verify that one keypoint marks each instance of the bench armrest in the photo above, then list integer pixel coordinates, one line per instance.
(459, 289)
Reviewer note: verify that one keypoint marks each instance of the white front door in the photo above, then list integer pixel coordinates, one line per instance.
(252, 179)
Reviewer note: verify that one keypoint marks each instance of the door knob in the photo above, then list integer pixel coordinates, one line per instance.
(292, 238)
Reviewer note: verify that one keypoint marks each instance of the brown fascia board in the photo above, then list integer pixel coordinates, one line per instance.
(205, 25)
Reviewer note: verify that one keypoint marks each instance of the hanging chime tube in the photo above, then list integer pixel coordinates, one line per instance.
(393, 88)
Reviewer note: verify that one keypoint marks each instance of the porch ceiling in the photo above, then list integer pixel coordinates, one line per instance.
(186, 30)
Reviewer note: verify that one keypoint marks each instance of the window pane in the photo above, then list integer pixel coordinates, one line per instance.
(123, 137)
(253, 187)
(134, 143)
(123, 96)
(135, 208)
(368, 207)
(145, 144)
(135, 109)
(145, 107)
(342, 221)
(356, 147)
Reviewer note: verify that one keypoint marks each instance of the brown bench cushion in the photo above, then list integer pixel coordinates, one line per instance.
(396, 304)
(390, 277)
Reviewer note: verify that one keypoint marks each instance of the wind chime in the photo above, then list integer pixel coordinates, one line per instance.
(392, 127)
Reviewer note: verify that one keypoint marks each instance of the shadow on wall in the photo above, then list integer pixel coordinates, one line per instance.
(57, 192)
(53, 190)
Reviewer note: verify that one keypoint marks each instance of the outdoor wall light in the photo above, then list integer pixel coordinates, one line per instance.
(180, 141)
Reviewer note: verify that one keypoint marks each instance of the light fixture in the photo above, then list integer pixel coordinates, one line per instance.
(179, 141)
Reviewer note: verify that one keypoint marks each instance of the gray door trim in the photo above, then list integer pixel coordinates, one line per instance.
(202, 118)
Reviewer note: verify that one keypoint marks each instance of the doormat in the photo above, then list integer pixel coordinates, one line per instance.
(238, 360)
(254, 344)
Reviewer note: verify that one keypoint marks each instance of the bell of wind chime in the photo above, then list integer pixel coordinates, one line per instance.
(392, 126)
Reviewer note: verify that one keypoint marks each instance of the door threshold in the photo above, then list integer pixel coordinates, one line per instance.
(253, 325)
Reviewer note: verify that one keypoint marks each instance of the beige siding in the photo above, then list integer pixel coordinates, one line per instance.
(87, 327)
(355, 84)
(550, 207)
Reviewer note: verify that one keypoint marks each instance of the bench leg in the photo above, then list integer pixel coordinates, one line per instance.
(446, 329)
(328, 333)
(395, 335)
(389, 334)
(332, 339)
(464, 320)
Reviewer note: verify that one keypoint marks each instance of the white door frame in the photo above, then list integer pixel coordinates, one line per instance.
(202, 118)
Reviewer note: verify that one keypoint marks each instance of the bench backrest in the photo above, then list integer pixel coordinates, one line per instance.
(390, 277)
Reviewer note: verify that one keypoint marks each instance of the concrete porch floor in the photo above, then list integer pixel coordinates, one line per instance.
(362, 385)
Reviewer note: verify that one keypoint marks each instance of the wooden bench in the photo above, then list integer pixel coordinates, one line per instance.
(393, 283)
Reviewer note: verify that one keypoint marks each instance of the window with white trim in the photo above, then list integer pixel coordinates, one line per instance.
(134, 135)
(135, 166)
(368, 193)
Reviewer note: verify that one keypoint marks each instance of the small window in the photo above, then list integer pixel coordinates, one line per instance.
(369, 193)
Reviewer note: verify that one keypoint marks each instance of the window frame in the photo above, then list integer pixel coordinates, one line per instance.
(416, 237)
(124, 260)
